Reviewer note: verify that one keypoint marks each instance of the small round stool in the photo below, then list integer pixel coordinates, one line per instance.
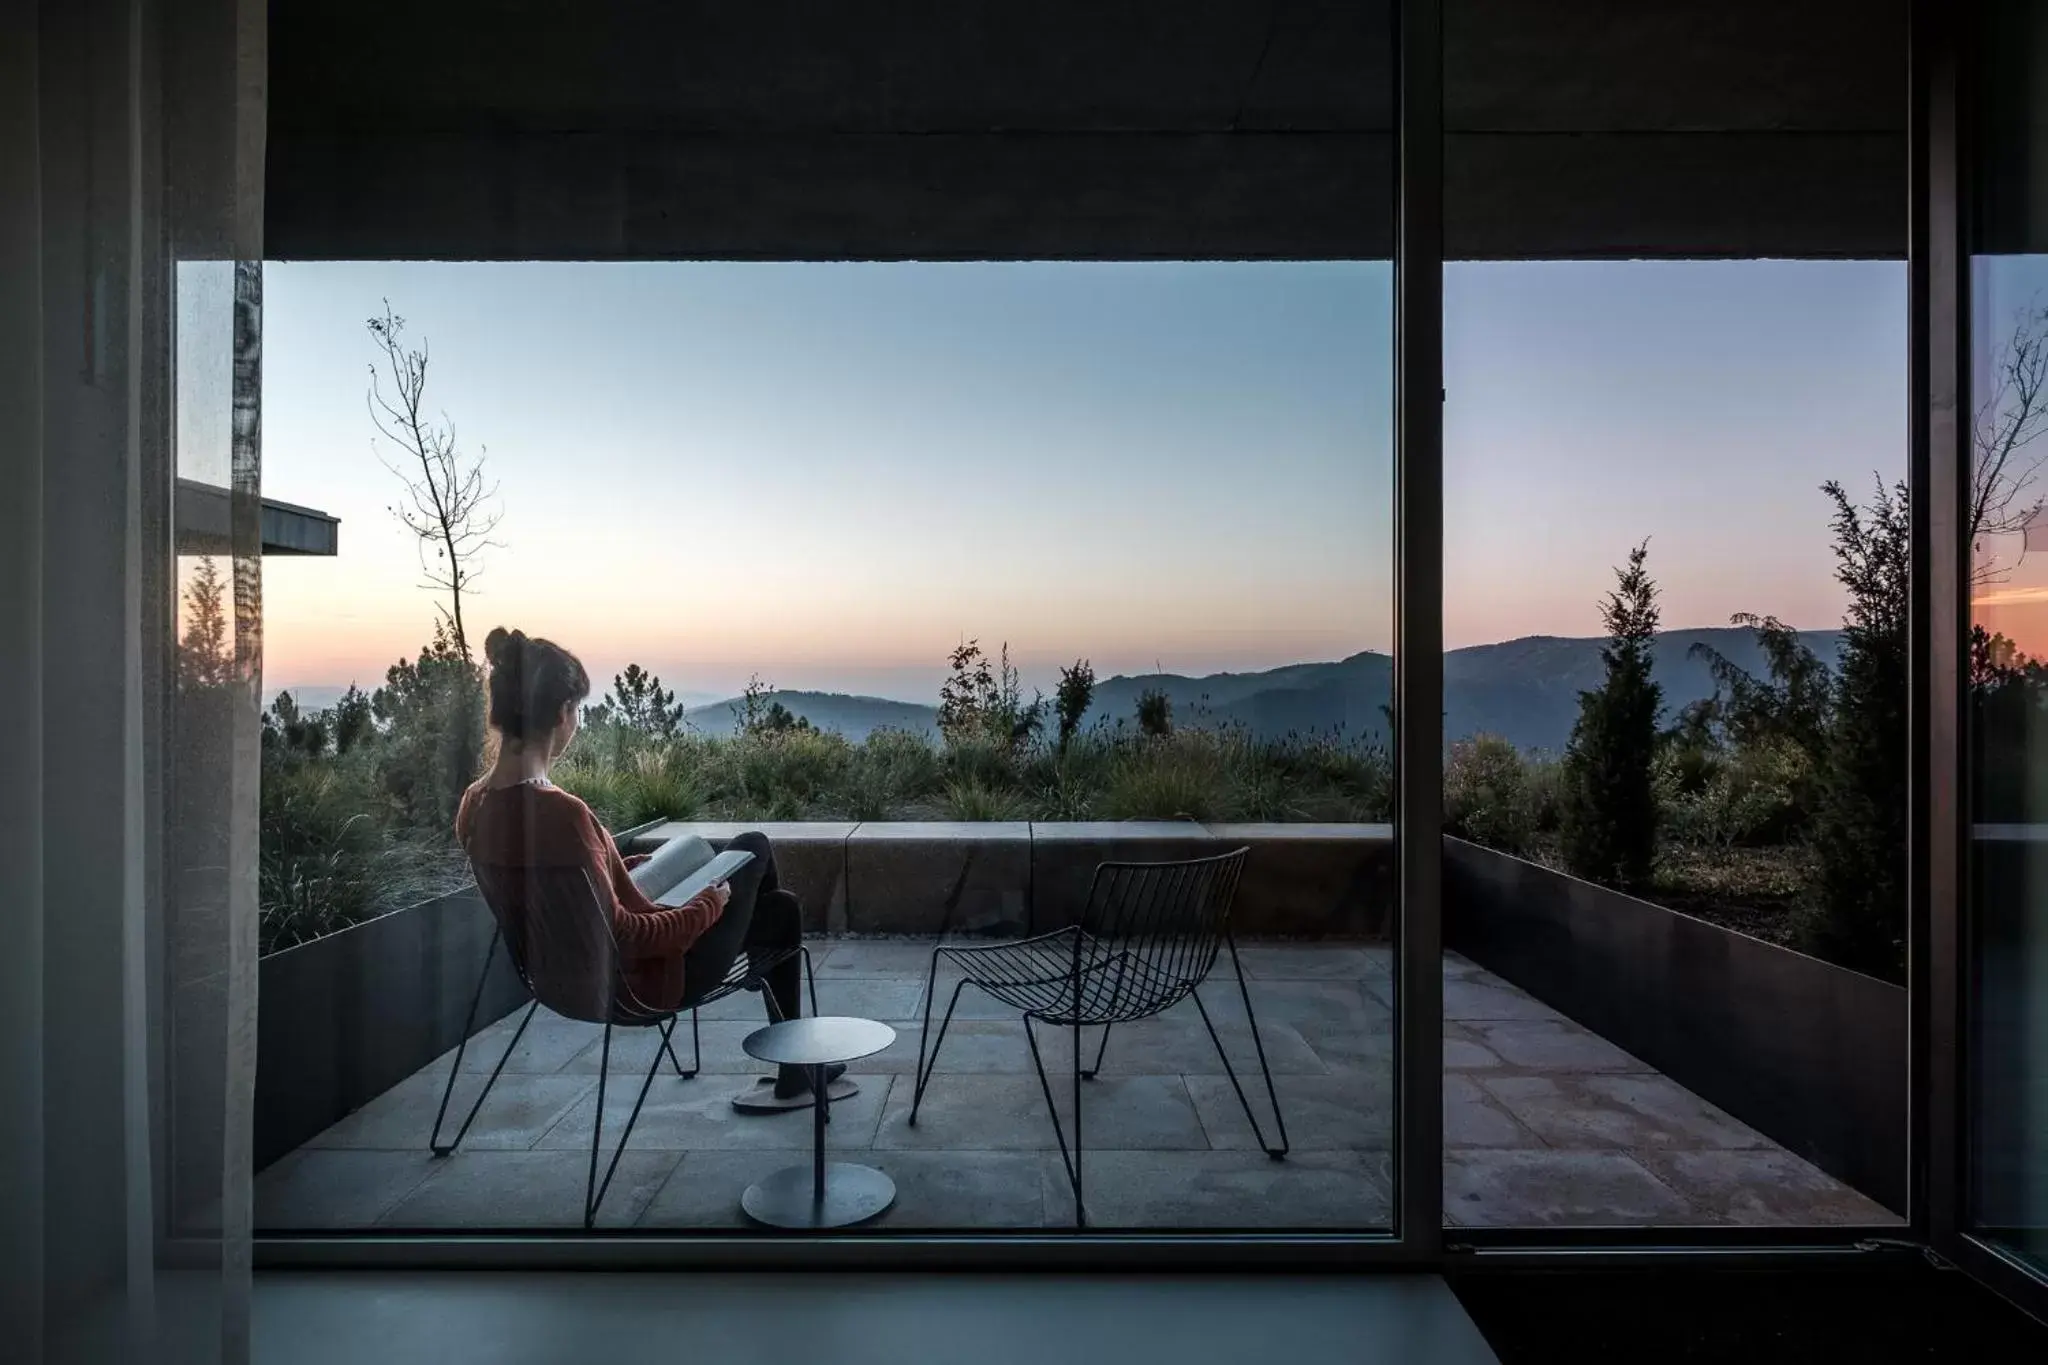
(820, 1195)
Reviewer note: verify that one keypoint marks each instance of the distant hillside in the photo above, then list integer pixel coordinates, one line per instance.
(1526, 691)
(1305, 698)
(854, 717)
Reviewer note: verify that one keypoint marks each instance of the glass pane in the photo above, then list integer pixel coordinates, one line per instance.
(2008, 684)
(210, 768)
(956, 580)
(1674, 901)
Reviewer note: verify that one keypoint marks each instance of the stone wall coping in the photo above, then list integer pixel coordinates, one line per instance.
(985, 831)
(1373, 832)
(1000, 830)
(779, 830)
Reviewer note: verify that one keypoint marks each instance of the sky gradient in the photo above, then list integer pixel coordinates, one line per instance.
(830, 474)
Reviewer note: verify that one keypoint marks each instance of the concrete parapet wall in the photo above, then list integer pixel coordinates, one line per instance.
(888, 877)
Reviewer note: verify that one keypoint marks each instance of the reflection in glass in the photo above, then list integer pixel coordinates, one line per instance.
(2007, 682)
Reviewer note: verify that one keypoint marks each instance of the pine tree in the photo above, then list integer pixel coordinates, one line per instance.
(433, 713)
(1610, 813)
(205, 656)
(638, 702)
(353, 721)
(1860, 829)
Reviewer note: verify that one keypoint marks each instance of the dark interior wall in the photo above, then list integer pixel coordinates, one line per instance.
(1690, 128)
(1063, 129)
(2011, 185)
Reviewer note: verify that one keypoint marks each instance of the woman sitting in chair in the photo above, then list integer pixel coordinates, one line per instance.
(513, 816)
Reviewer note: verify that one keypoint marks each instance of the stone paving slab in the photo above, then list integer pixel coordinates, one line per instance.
(867, 997)
(1545, 1123)
(1177, 1043)
(520, 1109)
(867, 959)
(1633, 1113)
(718, 1050)
(1769, 1187)
(1551, 1045)
(1007, 1113)
(682, 1116)
(1465, 1049)
(1316, 1008)
(1473, 1118)
(475, 1191)
(935, 1191)
(548, 1042)
(1320, 1191)
(318, 1188)
(1306, 963)
(1543, 1188)
(1347, 1111)
(1480, 998)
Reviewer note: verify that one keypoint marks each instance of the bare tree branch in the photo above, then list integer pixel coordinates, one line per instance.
(2003, 500)
(448, 504)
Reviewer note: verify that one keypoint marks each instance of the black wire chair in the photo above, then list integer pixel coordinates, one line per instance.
(558, 932)
(1148, 939)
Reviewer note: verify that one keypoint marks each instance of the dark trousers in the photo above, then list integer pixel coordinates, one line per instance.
(761, 916)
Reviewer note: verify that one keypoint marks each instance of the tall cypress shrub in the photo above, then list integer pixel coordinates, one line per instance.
(1609, 806)
(1860, 829)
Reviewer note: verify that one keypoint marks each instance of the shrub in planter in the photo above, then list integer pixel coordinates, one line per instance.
(1167, 777)
(317, 868)
(972, 801)
(1762, 793)
(1486, 794)
(890, 771)
(1543, 780)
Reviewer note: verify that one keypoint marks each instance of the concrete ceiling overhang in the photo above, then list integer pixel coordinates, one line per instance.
(1184, 129)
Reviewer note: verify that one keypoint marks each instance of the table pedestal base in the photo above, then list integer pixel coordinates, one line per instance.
(788, 1198)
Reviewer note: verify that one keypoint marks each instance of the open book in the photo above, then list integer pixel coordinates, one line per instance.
(682, 867)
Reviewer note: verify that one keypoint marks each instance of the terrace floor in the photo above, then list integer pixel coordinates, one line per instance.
(1545, 1124)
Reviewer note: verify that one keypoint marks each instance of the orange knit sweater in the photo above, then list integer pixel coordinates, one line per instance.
(530, 825)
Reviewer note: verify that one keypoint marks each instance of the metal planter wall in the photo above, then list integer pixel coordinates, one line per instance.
(1808, 1053)
(346, 1017)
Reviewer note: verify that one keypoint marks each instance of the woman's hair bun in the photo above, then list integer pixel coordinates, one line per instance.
(502, 647)
(532, 681)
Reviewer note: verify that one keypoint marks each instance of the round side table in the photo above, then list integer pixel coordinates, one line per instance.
(822, 1194)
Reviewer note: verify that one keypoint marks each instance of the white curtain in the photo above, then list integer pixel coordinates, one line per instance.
(131, 145)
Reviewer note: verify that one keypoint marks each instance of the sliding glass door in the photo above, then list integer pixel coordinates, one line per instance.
(2005, 975)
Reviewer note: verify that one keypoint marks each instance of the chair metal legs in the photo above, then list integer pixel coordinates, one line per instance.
(469, 1027)
(1071, 1154)
(696, 1052)
(1258, 1045)
(1071, 1160)
(1100, 1048)
(924, 1072)
(593, 1193)
(689, 1073)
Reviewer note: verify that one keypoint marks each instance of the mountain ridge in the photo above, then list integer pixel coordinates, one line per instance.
(1525, 690)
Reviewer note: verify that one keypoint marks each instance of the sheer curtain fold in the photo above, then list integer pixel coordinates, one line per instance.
(130, 319)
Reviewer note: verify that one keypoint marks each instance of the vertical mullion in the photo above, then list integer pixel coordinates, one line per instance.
(1937, 471)
(1418, 629)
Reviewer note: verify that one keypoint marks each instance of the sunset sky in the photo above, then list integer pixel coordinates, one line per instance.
(831, 474)
(2011, 598)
